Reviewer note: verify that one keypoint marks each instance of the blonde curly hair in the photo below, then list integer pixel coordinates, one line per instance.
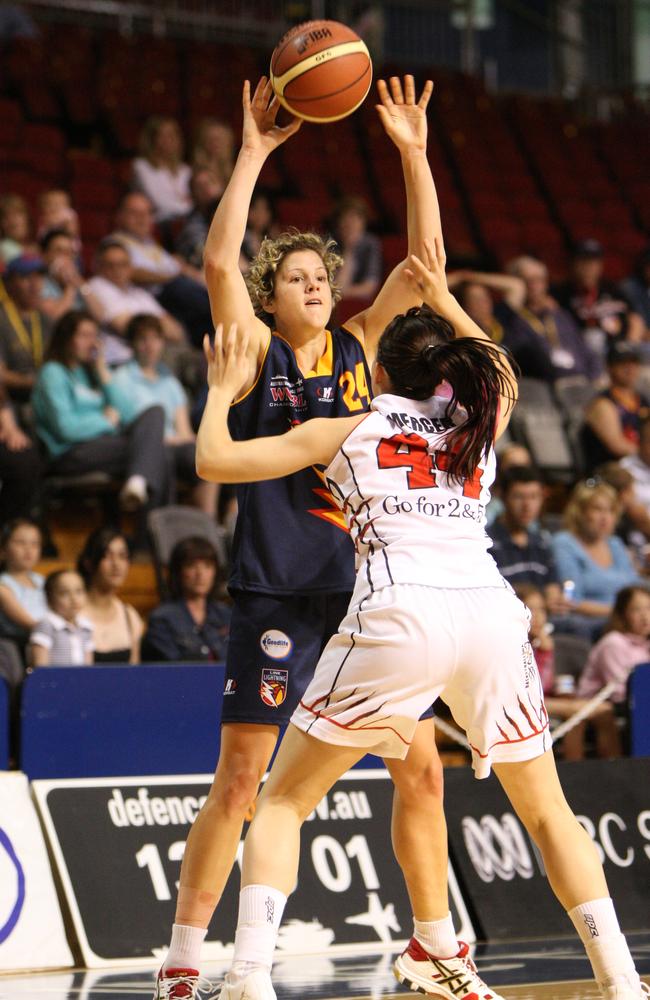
(260, 278)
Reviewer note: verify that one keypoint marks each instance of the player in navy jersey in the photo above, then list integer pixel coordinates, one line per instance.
(293, 565)
(430, 616)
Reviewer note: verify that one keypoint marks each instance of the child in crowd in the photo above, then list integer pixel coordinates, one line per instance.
(22, 600)
(64, 638)
(626, 643)
(558, 705)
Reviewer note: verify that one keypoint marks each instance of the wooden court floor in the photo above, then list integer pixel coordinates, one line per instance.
(519, 970)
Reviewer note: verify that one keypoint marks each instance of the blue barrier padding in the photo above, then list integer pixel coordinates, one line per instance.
(103, 721)
(4, 725)
(639, 702)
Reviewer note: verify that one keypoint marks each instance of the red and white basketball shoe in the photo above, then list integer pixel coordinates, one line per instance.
(181, 984)
(454, 978)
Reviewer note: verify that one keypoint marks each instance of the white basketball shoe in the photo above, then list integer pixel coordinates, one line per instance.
(255, 986)
(622, 988)
(454, 978)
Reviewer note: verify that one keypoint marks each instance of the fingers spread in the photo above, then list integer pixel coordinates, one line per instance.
(383, 92)
(426, 94)
(409, 89)
(396, 89)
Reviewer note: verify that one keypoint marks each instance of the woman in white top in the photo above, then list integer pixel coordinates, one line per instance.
(160, 172)
(431, 615)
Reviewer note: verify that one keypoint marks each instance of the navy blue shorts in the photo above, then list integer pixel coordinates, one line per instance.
(274, 645)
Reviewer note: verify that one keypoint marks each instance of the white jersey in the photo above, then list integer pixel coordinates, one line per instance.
(408, 521)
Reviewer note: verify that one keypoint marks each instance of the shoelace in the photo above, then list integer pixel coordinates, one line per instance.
(198, 983)
(470, 965)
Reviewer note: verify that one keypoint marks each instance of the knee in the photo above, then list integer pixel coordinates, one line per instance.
(234, 790)
(423, 784)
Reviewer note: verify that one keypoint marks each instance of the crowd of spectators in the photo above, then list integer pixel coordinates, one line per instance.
(101, 371)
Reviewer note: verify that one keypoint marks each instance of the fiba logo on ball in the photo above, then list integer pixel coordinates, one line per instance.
(276, 644)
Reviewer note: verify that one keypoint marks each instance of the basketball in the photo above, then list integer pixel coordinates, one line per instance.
(321, 71)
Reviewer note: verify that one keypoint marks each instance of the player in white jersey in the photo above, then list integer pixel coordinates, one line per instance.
(430, 616)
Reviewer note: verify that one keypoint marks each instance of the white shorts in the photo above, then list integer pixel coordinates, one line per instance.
(407, 645)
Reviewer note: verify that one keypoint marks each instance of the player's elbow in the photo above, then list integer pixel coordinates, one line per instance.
(216, 265)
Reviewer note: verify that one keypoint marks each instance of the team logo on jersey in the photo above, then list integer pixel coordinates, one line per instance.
(287, 393)
(273, 686)
(325, 394)
(276, 644)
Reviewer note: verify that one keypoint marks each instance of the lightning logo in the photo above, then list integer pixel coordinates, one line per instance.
(332, 514)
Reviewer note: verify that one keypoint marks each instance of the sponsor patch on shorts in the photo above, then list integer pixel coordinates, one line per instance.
(276, 644)
(273, 686)
(231, 686)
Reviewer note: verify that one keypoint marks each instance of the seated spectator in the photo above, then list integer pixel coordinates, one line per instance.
(360, 275)
(22, 598)
(613, 417)
(159, 171)
(633, 526)
(636, 288)
(89, 424)
(625, 644)
(113, 300)
(15, 228)
(24, 329)
(206, 190)
(508, 456)
(501, 320)
(104, 565)
(638, 465)
(63, 280)
(148, 382)
(179, 288)
(259, 224)
(20, 466)
(555, 329)
(64, 636)
(600, 311)
(559, 705)
(214, 148)
(592, 557)
(521, 549)
(193, 625)
(55, 211)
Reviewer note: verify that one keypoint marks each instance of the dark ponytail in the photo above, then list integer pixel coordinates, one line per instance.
(418, 350)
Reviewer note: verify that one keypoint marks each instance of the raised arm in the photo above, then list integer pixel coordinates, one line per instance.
(405, 121)
(229, 299)
(222, 460)
(431, 281)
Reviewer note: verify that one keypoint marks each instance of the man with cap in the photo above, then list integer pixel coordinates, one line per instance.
(613, 418)
(24, 329)
(599, 309)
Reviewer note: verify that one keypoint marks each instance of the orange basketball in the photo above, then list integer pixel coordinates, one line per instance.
(321, 71)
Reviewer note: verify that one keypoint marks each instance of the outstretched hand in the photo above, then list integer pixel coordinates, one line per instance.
(228, 363)
(261, 135)
(404, 118)
(430, 278)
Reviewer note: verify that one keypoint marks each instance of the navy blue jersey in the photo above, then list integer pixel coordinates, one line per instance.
(290, 536)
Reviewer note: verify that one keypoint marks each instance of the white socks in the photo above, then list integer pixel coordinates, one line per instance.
(185, 947)
(260, 912)
(606, 947)
(437, 936)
